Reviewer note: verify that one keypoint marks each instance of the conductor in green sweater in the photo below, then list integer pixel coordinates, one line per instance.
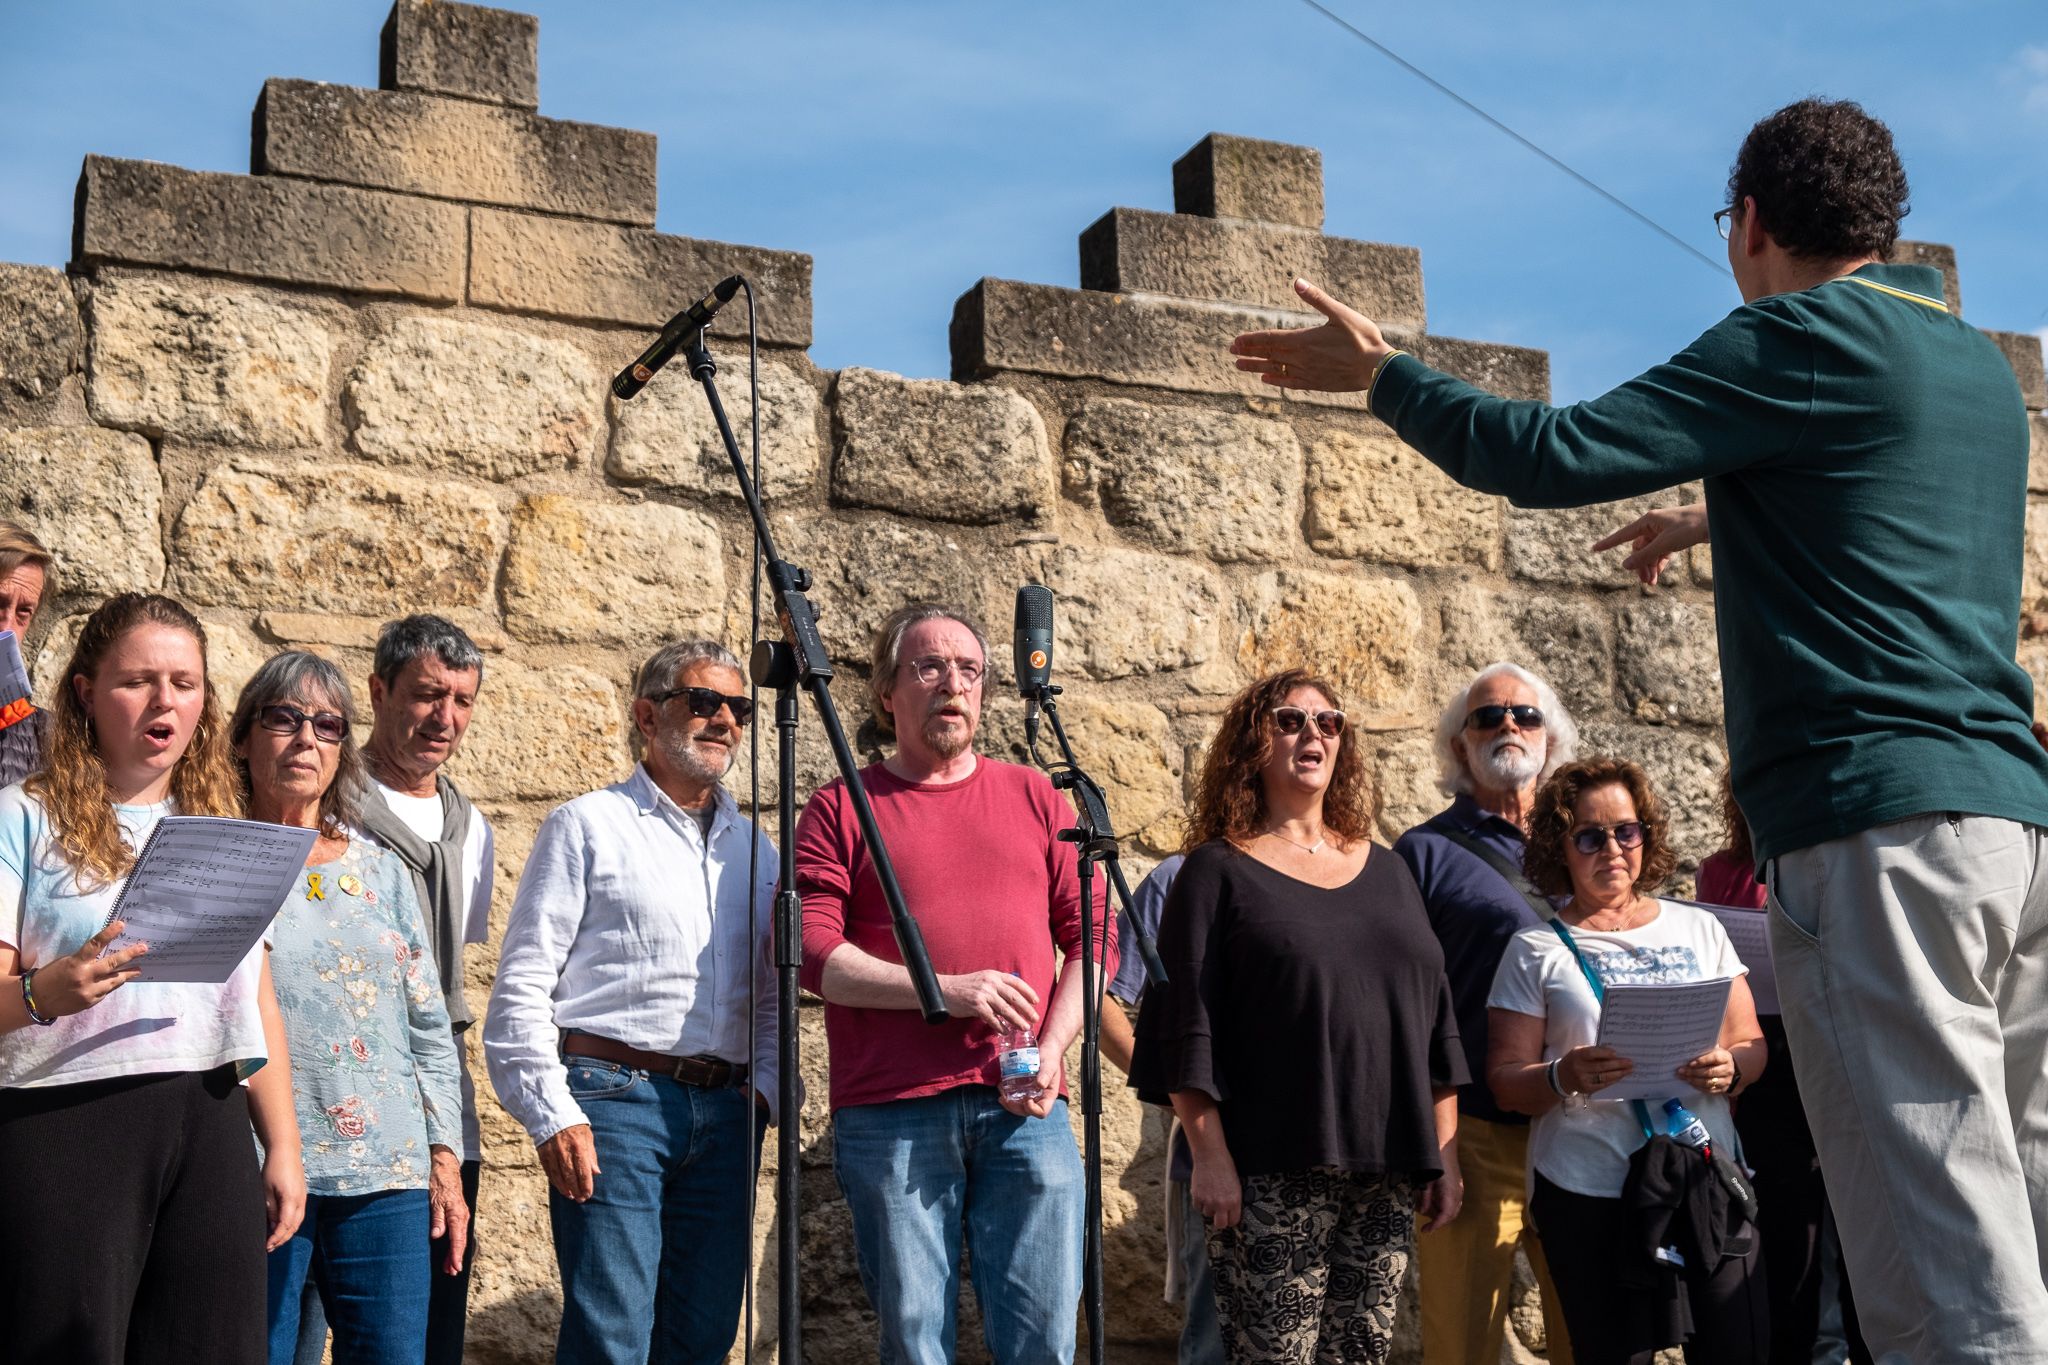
(1864, 453)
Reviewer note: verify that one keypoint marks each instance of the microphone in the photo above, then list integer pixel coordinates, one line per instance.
(679, 330)
(1031, 643)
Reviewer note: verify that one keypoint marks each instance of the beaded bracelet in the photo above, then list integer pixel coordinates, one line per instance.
(1550, 1074)
(28, 1000)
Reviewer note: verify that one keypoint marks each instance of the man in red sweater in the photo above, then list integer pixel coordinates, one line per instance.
(922, 1138)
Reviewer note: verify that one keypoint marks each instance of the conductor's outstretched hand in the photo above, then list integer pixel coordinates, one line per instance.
(1337, 357)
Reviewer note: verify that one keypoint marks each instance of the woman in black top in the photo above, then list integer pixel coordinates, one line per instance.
(1305, 1037)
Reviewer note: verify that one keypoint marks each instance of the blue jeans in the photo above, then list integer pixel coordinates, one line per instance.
(369, 1254)
(656, 1260)
(911, 1170)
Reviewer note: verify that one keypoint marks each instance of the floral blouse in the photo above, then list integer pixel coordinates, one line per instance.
(374, 1071)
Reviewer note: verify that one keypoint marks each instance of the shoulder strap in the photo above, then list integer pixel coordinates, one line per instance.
(1509, 873)
(1600, 994)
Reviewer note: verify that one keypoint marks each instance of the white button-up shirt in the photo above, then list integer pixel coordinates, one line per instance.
(632, 924)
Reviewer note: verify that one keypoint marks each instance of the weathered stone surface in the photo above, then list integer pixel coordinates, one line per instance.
(1144, 339)
(2023, 353)
(1224, 176)
(467, 50)
(2034, 658)
(1566, 642)
(454, 149)
(600, 272)
(939, 450)
(1670, 660)
(2037, 453)
(1124, 613)
(2034, 563)
(1127, 746)
(1942, 258)
(41, 340)
(1404, 773)
(1554, 545)
(665, 436)
(1363, 634)
(208, 365)
(1190, 480)
(1254, 263)
(1372, 497)
(1510, 371)
(267, 228)
(453, 394)
(590, 572)
(561, 732)
(1684, 767)
(309, 536)
(94, 497)
(360, 632)
(233, 654)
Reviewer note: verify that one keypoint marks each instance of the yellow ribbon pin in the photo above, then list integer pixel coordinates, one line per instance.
(313, 891)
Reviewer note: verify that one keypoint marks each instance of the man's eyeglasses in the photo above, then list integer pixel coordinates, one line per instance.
(1724, 222)
(1491, 717)
(1292, 720)
(704, 703)
(328, 727)
(1593, 838)
(930, 670)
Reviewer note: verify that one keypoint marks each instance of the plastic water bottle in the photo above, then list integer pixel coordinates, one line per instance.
(1019, 1064)
(1685, 1126)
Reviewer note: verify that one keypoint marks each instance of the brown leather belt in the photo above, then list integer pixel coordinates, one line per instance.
(712, 1073)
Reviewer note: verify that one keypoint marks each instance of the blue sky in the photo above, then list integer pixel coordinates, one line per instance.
(914, 148)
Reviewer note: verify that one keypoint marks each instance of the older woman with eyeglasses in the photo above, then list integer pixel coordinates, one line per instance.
(373, 1061)
(1598, 832)
(1305, 1036)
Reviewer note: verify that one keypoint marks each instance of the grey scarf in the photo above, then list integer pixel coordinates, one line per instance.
(437, 876)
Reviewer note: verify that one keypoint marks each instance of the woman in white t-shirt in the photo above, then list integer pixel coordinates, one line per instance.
(136, 1207)
(1599, 833)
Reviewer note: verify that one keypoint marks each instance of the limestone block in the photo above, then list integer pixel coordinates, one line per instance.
(453, 394)
(1127, 746)
(41, 340)
(1684, 767)
(1223, 176)
(1166, 343)
(665, 436)
(1510, 371)
(2034, 659)
(94, 497)
(449, 49)
(311, 535)
(1404, 769)
(269, 228)
(454, 149)
(2023, 353)
(1190, 480)
(1942, 258)
(361, 632)
(599, 573)
(600, 272)
(233, 654)
(2034, 577)
(1255, 263)
(1670, 660)
(1553, 545)
(207, 365)
(1567, 643)
(1372, 497)
(939, 450)
(1125, 613)
(555, 732)
(2037, 453)
(1363, 634)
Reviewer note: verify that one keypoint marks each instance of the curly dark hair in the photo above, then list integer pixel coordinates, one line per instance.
(1230, 801)
(1827, 181)
(1546, 862)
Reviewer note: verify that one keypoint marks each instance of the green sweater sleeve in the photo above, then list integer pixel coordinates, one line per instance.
(1739, 395)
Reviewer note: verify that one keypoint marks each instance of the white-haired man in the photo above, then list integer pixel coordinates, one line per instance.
(1500, 736)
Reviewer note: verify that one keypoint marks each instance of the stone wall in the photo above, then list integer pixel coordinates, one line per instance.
(369, 378)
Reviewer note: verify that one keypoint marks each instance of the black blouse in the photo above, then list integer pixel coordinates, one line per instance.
(1319, 1019)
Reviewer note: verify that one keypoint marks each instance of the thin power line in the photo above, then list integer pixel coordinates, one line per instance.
(1611, 198)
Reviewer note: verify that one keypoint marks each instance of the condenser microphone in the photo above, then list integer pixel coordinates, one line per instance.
(1031, 641)
(679, 330)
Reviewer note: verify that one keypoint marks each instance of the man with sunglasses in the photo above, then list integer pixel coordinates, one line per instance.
(1864, 453)
(632, 1029)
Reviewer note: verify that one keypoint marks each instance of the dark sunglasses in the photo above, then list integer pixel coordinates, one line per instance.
(704, 703)
(1292, 720)
(1490, 717)
(1593, 838)
(328, 728)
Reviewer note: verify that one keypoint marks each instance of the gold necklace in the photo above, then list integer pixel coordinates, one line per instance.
(1627, 920)
(1315, 847)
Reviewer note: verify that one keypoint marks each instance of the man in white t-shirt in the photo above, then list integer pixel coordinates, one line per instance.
(423, 687)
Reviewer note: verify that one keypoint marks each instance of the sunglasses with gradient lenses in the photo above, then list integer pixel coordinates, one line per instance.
(704, 703)
(328, 727)
(1292, 720)
(1593, 838)
(1490, 717)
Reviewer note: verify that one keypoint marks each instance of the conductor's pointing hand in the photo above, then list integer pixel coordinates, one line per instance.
(1338, 357)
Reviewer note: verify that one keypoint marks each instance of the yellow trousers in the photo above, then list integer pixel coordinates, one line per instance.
(1468, 1268)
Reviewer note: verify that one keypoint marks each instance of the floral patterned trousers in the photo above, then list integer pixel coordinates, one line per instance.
(1312, 1272)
